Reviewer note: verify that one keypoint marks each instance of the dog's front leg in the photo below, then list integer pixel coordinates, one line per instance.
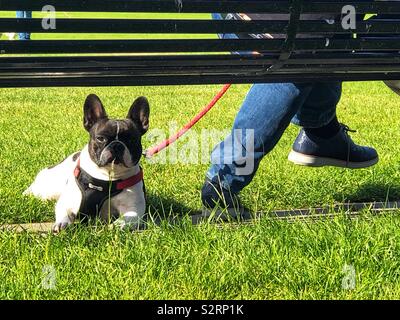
(131, 207)
(67, 207)
(64, 216)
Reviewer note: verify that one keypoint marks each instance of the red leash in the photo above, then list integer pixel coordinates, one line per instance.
(156, 149)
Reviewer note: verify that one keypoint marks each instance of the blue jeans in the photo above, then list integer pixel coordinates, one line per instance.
(264, 115)
(24, 15)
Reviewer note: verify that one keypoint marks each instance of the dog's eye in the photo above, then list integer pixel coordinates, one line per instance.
(101, 139)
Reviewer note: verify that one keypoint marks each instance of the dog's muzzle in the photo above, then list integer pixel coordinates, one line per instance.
(115, 151)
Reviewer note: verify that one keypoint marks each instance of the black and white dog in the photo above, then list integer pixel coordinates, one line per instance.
(104, 179)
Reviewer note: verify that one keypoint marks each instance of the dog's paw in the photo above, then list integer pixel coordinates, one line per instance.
(119, 223)
(59, 226)
(128, 225)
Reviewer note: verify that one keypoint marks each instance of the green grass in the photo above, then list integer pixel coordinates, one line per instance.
(267, 259)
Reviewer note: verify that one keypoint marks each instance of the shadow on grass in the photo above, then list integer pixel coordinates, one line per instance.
(165, 208)
(372, 192)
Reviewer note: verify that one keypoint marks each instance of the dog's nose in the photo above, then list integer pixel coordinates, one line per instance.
(118, 148)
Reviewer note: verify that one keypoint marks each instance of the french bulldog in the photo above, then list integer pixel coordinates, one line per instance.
(104, 179)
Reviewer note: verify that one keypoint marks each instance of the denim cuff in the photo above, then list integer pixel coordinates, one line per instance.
(314, 122)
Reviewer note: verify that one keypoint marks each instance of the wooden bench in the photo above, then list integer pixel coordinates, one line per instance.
(329, 52)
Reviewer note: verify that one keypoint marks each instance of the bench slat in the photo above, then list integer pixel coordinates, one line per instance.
(198, 6)
(167, 6)
(85, 80)
(179, 61)
(190, 45)
(382, 26)
(193, 69)
(208, 69)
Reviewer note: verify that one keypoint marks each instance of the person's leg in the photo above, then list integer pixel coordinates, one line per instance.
(323, 141)
(261, 121)
(219, 16)
(21, 15)
(28, 15)
(268, 110)
(265, 114)
(320, 106)
(24, 15)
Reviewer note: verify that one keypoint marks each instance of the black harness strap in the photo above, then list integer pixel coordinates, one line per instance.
(95, 192)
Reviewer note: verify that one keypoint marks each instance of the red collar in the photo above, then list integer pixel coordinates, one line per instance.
(120, 184)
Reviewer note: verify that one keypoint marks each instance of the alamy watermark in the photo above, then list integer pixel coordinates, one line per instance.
(349, 17)
(349, 279)
(48, 277)
(49, 20)
(204, 147)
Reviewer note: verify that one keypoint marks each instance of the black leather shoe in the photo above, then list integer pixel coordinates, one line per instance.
(216, 198)
(338, 151)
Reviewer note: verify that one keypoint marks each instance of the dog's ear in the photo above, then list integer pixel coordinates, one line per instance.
(139, 114)
(93, 111)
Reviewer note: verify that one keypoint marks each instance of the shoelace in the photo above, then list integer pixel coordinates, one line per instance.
(346, 129)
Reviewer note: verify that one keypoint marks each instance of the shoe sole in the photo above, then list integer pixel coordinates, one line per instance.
(313, 161)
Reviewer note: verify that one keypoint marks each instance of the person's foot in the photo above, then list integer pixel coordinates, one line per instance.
(216, 198)
(337, 151)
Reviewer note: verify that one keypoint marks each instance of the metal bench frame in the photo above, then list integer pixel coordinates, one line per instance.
(370, 52)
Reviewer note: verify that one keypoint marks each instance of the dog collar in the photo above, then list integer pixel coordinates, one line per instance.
(119, 184)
